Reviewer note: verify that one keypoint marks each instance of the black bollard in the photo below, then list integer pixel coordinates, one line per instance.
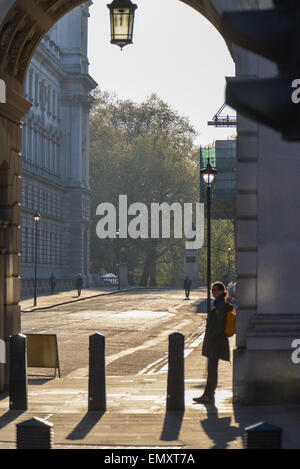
(97, 392)
(17, 374)
(262, 435)
(35, 433)
(175, 391)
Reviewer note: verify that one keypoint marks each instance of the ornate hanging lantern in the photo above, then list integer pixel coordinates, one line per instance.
(121, 22)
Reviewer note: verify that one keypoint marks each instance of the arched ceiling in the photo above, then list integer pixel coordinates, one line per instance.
(26, 22)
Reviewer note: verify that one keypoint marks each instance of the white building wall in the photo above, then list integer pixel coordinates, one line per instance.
(56, 154)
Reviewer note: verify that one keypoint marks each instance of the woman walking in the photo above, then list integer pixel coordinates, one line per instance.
(216, 343)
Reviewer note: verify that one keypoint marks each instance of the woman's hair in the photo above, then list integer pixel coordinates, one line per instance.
(221, 286)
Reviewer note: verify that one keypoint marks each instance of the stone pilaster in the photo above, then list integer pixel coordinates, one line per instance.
(10, 218)
(191, 267)
(123, 275)
(268, 250)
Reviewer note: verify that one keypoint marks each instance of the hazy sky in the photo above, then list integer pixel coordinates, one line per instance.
(176, 53)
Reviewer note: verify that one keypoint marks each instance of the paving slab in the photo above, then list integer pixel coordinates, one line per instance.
(136, 414)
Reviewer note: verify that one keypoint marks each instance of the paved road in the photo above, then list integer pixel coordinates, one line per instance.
(136, 326)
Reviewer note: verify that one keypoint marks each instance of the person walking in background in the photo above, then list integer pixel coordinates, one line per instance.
(216, 343)
(78, 283)
(187, 284)
(52, 283)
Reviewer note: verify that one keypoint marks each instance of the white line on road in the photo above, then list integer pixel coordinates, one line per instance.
(187, 352)
(81, 372)
(147, 344)
(144, 371)
(198, 341)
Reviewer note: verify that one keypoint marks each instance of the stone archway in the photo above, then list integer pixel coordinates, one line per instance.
(263, 370)
(267, 231)
(22, 26)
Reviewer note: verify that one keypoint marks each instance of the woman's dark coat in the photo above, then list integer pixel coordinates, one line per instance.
(216, 343)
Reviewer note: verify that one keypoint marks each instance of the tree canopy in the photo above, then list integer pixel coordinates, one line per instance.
(145, 151)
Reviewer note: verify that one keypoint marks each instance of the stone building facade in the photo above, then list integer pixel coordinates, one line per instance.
(55, 149)
(226, 164)
(223, 193)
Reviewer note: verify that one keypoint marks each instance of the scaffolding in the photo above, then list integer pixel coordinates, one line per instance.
(222, 121)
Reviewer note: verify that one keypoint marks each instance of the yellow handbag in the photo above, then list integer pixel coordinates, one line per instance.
(230, 329)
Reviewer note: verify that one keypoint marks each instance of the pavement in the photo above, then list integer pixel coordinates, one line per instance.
(66, 297)
(136, 417)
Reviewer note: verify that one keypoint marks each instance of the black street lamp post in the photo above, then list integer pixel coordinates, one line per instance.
(229, 262)
(118, 257)
(37, 217)
(208, 174)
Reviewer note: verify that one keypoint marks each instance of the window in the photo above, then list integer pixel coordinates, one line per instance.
(54, 103)
(36, 89)
(49, 100)
(190, 259)
(30, 85)
(29, 146)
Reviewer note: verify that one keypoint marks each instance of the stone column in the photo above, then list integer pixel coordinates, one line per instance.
(10, 215)
(191, 267)
(246, 229)
(123, 275)
(268, 252)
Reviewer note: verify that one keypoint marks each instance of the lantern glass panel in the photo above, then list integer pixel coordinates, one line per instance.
(208, 178)
(121, 26)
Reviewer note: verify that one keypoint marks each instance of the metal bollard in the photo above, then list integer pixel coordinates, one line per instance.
(97, 392)
(262, 435)
(35, 433)
(175, 391)
(17, 375)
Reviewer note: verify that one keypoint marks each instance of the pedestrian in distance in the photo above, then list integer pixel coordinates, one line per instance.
(79, 283)
(187, 284)
(216, 343)
(52, 283)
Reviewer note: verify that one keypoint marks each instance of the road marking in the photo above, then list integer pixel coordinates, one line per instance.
(187, 352)
(144, 371)
(82, 372)
(198, 341)
(194, 345)
(147, 344)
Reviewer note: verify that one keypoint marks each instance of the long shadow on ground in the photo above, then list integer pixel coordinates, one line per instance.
(85, 425)
(172, 426)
